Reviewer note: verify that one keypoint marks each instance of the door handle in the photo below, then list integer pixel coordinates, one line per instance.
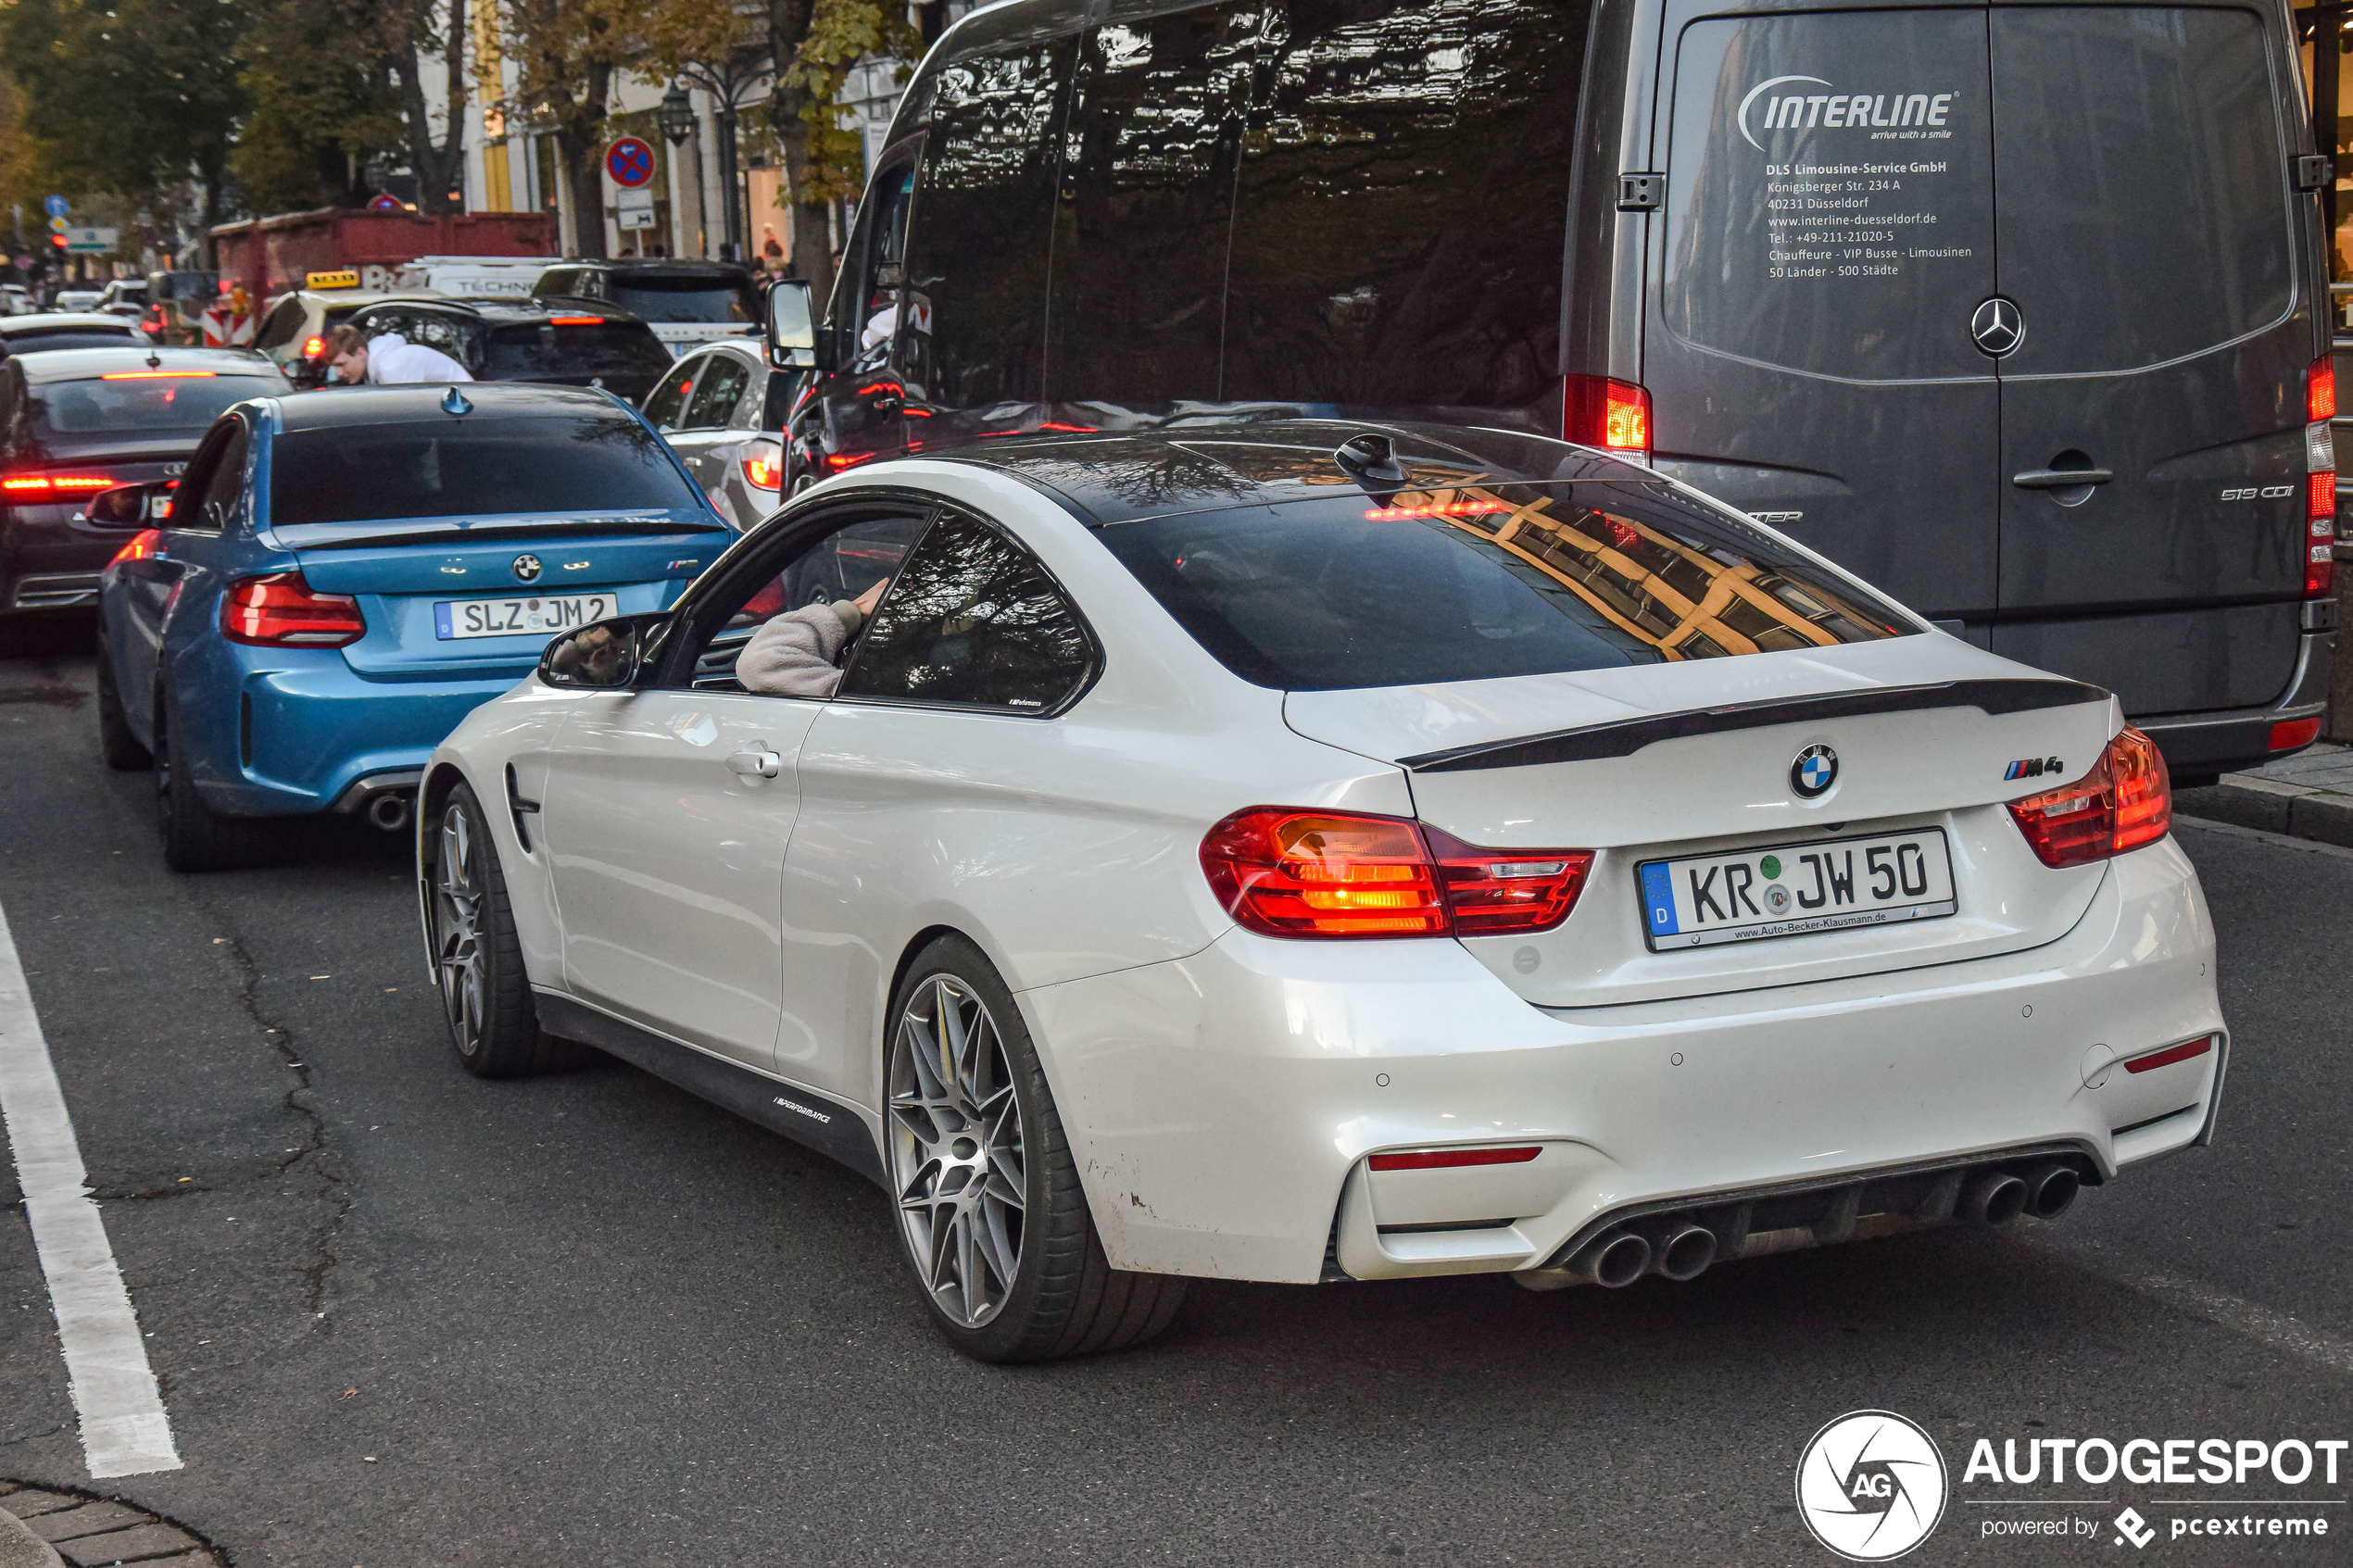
(2060, 479)
(757, 763)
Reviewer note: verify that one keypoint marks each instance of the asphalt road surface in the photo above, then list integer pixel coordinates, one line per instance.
(400, 1316)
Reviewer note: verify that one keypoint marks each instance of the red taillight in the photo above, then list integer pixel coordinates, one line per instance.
(764, 466)
(1436, 508)
(575, 321)
(313, 346)
(158, 375)
(28, 486)
(1452, 1158)
(840, 460)
(1490, 891)
(2167, 1056)
(1320, 873)
(1287, 872)
(2289, 734)
(1612, 414)
(2319, 485)
(2320, 389)
(280, 610)
(142, 546)
(2123, 803)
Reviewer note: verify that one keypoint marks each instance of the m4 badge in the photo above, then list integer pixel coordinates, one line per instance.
(2033, 768)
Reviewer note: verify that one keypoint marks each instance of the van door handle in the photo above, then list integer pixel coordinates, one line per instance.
(2060, 479)
(757, 763)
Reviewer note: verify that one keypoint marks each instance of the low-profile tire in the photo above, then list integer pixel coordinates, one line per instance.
(119, 747)
(478, 968)
(990, 1216)
(197, 837)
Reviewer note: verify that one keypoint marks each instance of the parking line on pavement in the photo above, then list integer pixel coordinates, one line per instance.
(124, 1429)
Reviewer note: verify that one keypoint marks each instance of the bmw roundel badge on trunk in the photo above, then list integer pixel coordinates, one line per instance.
(526, 568)
(1814, 771)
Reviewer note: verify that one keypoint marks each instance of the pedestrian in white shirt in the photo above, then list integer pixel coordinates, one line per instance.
(381, 361)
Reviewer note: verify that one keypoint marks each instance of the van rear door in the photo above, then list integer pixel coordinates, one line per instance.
(2148, 236)
(1828, 229)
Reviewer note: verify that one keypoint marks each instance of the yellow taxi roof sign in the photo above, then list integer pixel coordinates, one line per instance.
(348, 278)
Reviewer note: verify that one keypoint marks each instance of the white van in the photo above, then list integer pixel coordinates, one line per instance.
(474, 277)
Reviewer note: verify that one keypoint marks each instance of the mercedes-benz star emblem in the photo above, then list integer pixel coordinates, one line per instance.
(1998, 328)
(528, 569)
(1814, 771)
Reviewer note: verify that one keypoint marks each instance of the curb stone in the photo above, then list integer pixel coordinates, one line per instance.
(2273, 806)
(60, 1527)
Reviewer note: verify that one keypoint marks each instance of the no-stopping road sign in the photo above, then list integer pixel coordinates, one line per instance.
(630, 162)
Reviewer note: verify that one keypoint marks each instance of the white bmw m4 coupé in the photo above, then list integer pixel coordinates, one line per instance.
(1306, 851)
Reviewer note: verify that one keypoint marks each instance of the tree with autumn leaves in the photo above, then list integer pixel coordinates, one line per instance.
(274, 105)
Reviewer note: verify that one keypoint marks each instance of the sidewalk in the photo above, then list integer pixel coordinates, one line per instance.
(2307, 795)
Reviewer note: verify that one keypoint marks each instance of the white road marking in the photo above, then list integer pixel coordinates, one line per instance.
(2277, 1330)
(124, 1429)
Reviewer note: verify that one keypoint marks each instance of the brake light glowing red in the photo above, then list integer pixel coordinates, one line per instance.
(764, 466)
(2289, 734)
(1321, 874)
(2124, 802)
(1607, 413)
(2320, 389)
(1436, 508)
(1452, 1158)
(158, 375)
(313, 346)
(282, 610)
(575, 321)
(2169, 1054)
(1287, 872)
(840, 460)
(145, 544)
(25, 486)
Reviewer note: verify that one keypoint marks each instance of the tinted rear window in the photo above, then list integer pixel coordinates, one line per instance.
(547, 463)
(74, 337)
(1476, 583)
(685, 299)
(519, 353)
(163, 403)
(2117, 269)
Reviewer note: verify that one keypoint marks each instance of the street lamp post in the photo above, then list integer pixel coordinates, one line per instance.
(727, 82)
(677, 120)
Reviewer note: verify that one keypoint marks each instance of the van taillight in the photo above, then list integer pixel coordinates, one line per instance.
(1287, 872)
(2320, 487)
(2123, 803)
(1615, 415)
(281, 610)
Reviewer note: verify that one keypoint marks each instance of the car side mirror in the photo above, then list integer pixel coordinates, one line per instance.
(794, 342)
(604, 656)
(131, 505)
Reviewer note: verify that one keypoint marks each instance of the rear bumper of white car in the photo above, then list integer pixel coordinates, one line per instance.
(1218, 1106)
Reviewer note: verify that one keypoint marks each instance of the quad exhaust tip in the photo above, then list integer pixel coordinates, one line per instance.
(2050, 1190)
(1614, 1259)
(1681, 1250)
(1994, 1198)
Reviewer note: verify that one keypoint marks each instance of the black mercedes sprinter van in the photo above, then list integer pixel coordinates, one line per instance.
(2018, 310)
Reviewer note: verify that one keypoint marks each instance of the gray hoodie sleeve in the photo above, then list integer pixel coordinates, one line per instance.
(794, 654)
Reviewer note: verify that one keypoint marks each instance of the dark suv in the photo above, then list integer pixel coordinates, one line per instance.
(529, 340)
(686, 303)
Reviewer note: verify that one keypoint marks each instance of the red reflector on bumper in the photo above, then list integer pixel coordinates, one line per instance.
(2170, 1055)
(2289, 734)
(1447, 1158)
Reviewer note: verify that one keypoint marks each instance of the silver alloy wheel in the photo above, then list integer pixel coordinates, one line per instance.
(456, 943)
(956, 1157)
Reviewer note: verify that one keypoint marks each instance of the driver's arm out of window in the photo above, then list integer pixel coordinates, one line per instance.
(793, 655)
